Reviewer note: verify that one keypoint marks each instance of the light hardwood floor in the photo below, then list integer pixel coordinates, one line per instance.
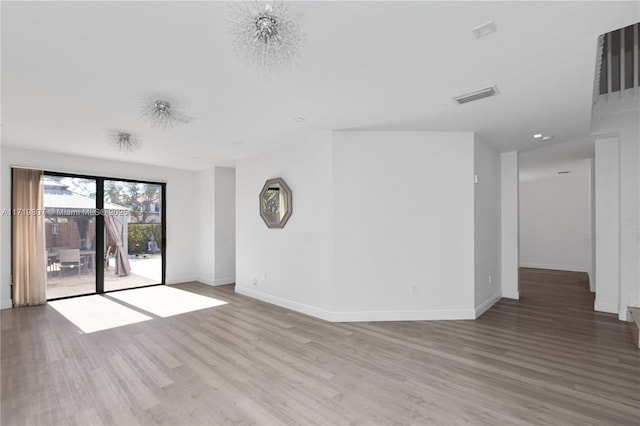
(545, 359)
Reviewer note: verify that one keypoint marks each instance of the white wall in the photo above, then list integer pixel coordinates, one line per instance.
(555, 226)
(181, 228)
(225, 226)
(291, 266)
(592, 220)
(607, 220)
(488, 288)
(5, 295)
(510, 258)
(205, 217)
(626, 126)
(382, 227)
(403, 218)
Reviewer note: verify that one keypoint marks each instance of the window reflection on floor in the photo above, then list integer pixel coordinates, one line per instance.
(96, 313)
(102, 312)
(165, 301)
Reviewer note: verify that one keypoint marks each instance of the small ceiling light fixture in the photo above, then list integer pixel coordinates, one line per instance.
(299, 119)
(485, 29)
(538, 136)
(266, 33)
(124, 142)
(236, 143)
(564, 172)
(163, 114)
(547, 138)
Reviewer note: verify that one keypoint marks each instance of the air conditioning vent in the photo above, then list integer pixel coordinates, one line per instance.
(478, 94)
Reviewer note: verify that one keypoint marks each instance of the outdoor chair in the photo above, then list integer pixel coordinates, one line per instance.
(69, 259)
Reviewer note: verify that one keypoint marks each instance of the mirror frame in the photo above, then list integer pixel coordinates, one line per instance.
(270, 183)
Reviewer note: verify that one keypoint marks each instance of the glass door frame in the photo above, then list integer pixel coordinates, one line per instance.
(100, 228)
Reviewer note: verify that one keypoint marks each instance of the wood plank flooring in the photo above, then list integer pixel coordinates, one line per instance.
(545, 359)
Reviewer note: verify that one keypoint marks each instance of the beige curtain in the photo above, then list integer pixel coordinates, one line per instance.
(29, 258)
(115, 228)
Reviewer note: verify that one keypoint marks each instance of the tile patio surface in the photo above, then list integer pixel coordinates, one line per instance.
(143, 272)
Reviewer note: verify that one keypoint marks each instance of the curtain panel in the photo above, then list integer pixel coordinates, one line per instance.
(29, 286)
(115, 228)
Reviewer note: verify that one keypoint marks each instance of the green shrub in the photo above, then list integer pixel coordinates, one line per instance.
(139, 235)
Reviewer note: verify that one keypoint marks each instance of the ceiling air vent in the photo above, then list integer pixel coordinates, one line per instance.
(478, 94)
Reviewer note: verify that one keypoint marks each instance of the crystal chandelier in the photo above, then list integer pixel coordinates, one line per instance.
(163, 114)
(265, 33)
(124, 142)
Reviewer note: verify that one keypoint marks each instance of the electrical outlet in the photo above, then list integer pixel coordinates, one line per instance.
(414, 289)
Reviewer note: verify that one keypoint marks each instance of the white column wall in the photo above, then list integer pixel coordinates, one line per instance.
(487, 226)
(607, 200)
(225, 226)
(626, 127)
(205, 215)
(510, 261)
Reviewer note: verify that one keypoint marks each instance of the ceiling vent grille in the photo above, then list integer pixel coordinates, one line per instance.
(478, 94)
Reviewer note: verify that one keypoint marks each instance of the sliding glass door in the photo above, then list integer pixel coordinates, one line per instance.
(102, 234)
(133, 242)
(70, 235)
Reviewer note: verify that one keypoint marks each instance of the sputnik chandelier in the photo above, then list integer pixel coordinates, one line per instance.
(124, 142)
(265, 33)
(163, 114)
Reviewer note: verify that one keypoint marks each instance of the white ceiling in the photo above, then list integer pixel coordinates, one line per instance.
(72, 72)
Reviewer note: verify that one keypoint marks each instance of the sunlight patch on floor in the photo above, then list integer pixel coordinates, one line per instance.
(95, 313)
(165, 301)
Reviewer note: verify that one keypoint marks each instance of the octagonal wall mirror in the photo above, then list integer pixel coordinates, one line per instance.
(275, 203)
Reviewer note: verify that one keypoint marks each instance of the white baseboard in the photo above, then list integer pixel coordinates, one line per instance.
(224, 281)
(286, 303)
(633, 300)
(359, 316)
(205, 280)
(611, 308)
(568, 268)
(487, 304)
(6, 304)
(592, 282)
(180, 280)
(428, 315)
(511, 294)
(214, 282)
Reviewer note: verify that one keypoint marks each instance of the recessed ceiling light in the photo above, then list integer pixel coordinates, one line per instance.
(299, 119)
(546, 138)
(236, 143)
(538, 135)
(485, 29)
